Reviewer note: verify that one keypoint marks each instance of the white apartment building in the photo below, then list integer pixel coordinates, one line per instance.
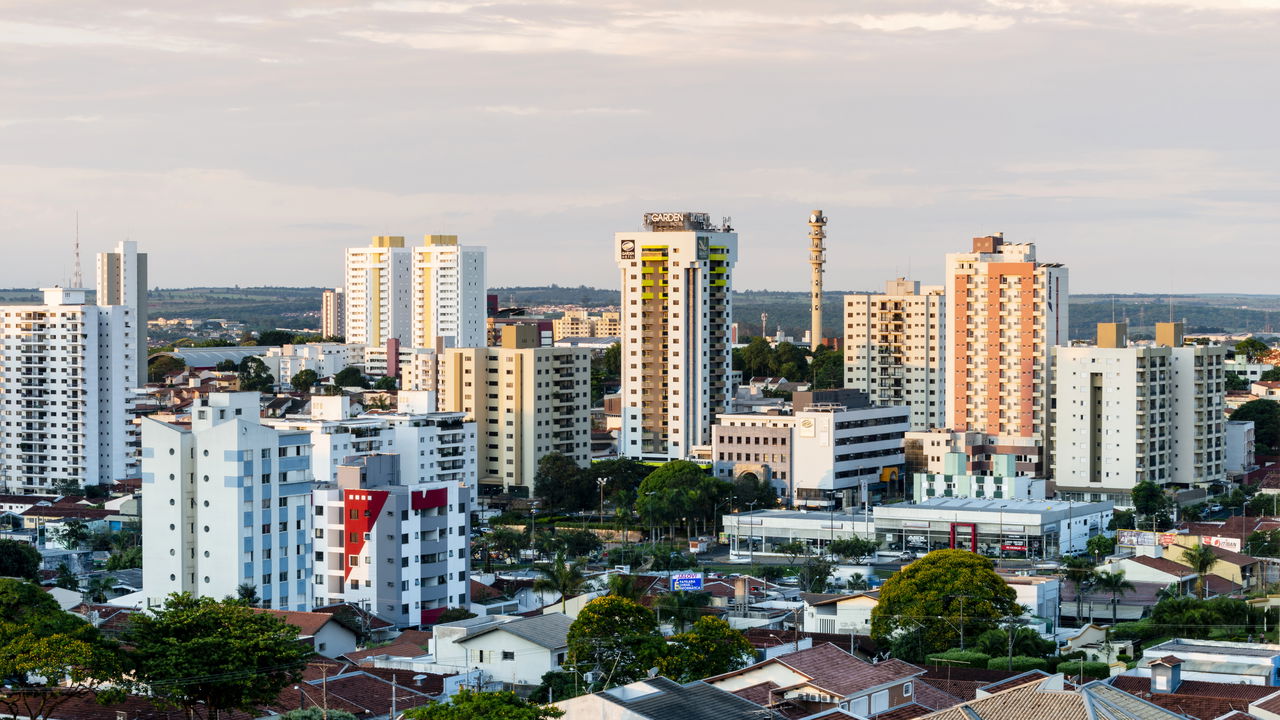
(1005, 313)
(431, 446)
(227, 502)
(333, 313)
(122, 280)
(894, 349)
(377, 290)
(676, 308)
(324, 358)
(955, 480)
(416, 367)
(526, 401)
(1239, 446)
(396, 547)
(1126, 414)
(448, 292)
(67, 373)
(831, 443)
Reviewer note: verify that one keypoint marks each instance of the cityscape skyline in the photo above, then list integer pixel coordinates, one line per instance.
(287, 133)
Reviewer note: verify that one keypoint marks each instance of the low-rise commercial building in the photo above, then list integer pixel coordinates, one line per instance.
(956, 481)
(1008, 528)
(762, 531)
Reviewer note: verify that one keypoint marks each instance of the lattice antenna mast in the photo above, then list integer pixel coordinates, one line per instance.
(77, 280)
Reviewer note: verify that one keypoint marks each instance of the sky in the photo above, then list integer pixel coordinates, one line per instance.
(249, 142)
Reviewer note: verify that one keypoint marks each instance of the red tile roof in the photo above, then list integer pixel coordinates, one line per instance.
(760, 693)
(1164, 565)
(1169, 660)
(835, 670)
(481, 592)
(395, 649)
(907, 712)
(1239, 692)
(308, 623)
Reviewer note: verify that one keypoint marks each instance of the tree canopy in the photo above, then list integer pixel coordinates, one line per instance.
(925, 598)
(680, 489)
(1265, 415)
(617, 637)
(254, 375)
(1253, 349)
(161, 365)
(711, 647)
(19, 560)
(304, 380)
(350, 376)
(562, 485)
(471, 705)
(219, 655)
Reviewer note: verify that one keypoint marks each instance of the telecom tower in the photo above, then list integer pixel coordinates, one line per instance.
(817, 258)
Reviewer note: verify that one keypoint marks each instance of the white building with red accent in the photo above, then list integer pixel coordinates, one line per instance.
(397, 548)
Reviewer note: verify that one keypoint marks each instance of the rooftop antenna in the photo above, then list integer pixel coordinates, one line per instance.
(77, 280)
(1113, 308)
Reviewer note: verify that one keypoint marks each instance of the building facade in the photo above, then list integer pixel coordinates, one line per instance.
(1174, 392)
(526, 402)
(894, 349)
(333, 313)
(67, 374)
(122, 280)
(448, 291)
(1005, 313)
(830, 447)
(676, 308)
(393, 546)
(377, 288)
(226, 502)
(580, 323)
(323, 358)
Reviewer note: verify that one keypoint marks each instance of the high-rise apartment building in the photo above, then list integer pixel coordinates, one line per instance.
(333, 313)
(377, 291)
(448, 293)
(894, 349)
(67, 370)
(1126, 414)
(416, 294)
(122, 280)
(395, 546)
(676, 307)
(526, 401)
(1005, 313)
(227, 502)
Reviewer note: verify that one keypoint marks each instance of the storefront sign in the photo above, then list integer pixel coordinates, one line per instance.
(686, 581)
(1225, 543)
(1018, 548)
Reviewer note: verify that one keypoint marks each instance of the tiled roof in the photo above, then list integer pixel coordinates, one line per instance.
(1031, 676)
(905, 712)
(693, 701)
(395, 649)
(417, 637)
(308, 623)
(373, 621)
(550, 631)
(760, 693)
(930, 696)
(481, 592)
(1163, 564)
(1241, 692)
(842, 674)
(66, 511)
(1216, 585)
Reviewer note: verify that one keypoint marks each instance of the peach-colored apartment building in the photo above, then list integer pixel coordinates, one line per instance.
(1005, 312)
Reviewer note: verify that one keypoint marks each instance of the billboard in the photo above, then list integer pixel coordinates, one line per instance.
(1145, 538)
(686, 581)
(1226, 543)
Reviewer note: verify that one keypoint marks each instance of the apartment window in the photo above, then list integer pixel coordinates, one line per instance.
(508, 655)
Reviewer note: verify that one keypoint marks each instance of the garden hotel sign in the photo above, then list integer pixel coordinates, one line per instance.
(677, 221)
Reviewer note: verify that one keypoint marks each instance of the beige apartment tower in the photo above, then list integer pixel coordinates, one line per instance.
(894, 349)
(527, 401)
(333, 313)
(1005, 313)
(676, 309)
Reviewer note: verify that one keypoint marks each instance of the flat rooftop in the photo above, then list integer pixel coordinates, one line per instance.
(1009, 504)
(822, 515)
(1173, 647)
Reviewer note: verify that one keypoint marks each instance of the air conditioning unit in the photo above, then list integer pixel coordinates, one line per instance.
(591, 676)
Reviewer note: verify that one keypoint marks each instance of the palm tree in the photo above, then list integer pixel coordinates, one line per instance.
(248, 593)
(1201, 558)
(561, 577)
(1080, 573)
(626, 586)
(858, 581)
(96, 589)
(1114, 584)
(683, 607)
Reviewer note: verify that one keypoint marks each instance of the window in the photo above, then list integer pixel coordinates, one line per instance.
(508, 655)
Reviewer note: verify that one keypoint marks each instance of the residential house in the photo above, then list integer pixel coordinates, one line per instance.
(513, 651)
(1096, 643)
(1215, 661)
(1166, 687)
(825, 677)
(662, 699)
(1052, 697)
(1236, 567)
(849, 613)
(323, 631)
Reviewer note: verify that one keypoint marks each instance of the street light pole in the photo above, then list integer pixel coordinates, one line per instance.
(751, 543)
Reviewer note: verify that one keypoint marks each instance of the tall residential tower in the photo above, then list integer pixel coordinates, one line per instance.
(122, 280)
(676, 309)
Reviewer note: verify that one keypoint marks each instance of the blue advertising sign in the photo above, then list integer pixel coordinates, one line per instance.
(686, 581)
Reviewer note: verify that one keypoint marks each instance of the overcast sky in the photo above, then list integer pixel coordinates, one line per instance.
(249, 142)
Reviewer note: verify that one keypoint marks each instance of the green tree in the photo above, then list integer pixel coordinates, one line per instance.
(1235, 383)
(758, 359)
(580, 543)
(815, 573)
(1099, 546)
(827, 368)
(1122, 520)
(711, 647)
(678, 489)
(616, 637)
(49, 657)
(161, 365)
(98, 588)
(125, 559)
(1115, 585)
(557, 685)
(254, 375)
(240, 658)
(857, 582)
(248, 594)
(506, 541)
(1263, 543)
(70, 534)
(1253, 349)
(793, 363)
(1080, 573)
(454, 614)
(227, 365)
(620, 474)
(275, 338)
(471, 705)
(1265, 415)
(682, 607)
(1148, 498)
(19, 560)
(1201, 558)
(350, 377)
(562, 577)
(304, 380)
(944, 583)
(1027, 642)
(66, 579)
(793, 550)
(1271, 375)
(853, 547)
(562, 485)
(386, 384)
(626, 586)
